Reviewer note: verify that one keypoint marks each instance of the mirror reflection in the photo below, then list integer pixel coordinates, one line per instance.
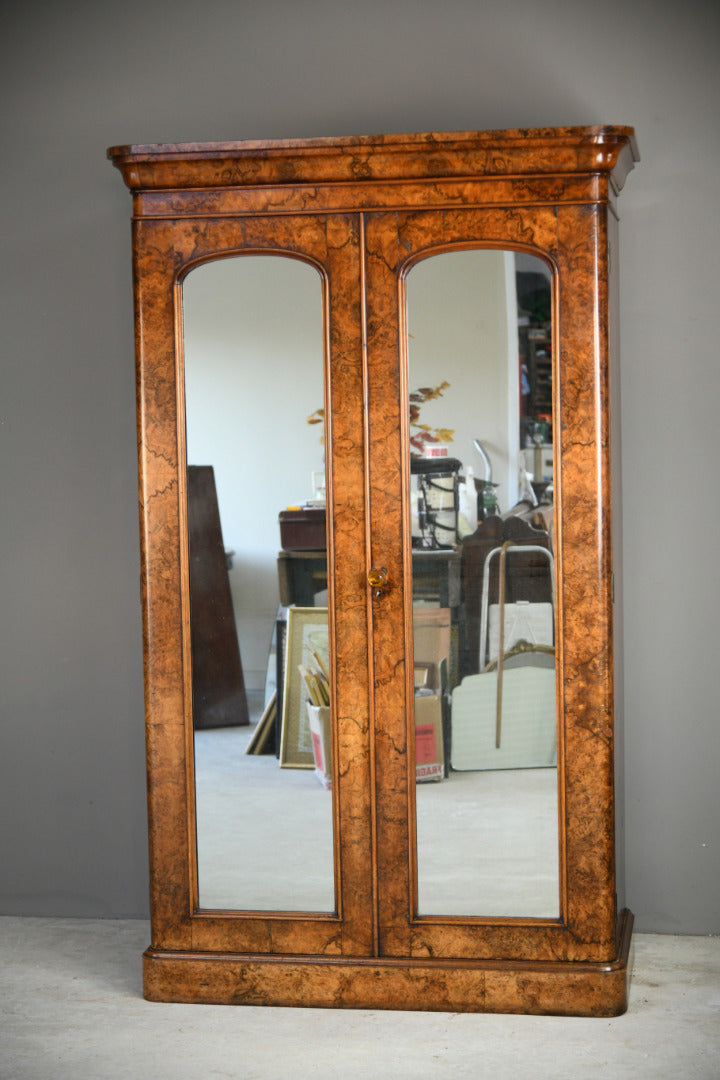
(253, 355)
(480, 410)
(480, 367)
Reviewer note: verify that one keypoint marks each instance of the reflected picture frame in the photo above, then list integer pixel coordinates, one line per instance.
(307, 628)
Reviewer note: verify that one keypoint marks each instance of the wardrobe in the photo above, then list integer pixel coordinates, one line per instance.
(411, 250)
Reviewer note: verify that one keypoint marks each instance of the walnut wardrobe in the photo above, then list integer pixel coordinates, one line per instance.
(417, 262)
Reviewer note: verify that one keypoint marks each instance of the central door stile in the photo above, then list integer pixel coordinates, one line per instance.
(371, 593)
(347, 557)
(391, 627)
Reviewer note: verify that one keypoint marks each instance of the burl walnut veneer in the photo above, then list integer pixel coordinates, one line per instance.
(362, 211)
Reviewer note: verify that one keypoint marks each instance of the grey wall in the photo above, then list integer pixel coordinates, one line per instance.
(78, 77)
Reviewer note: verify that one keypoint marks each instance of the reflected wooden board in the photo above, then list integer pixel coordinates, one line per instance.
(219, 698)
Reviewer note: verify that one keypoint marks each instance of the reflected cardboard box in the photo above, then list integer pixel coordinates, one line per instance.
(429, 755)
(431, 634)
(435, 639)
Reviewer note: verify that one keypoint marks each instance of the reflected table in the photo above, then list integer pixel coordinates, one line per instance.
(436, 577)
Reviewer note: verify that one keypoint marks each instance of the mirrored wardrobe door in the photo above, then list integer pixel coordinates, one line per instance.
(474, 412)
(253, 353)
(479, 361)
(253, 346)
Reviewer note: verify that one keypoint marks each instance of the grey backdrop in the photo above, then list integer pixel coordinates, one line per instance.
(78, 77)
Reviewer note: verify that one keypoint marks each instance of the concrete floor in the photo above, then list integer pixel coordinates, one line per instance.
(71, 1009)
(487, 841)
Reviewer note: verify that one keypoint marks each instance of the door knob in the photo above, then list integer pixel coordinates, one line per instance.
(378, 581)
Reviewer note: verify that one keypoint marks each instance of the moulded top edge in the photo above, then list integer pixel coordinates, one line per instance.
(515, 137)
(371, 158)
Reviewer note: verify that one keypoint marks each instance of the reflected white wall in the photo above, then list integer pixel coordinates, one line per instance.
(462, 326)
(253, 374)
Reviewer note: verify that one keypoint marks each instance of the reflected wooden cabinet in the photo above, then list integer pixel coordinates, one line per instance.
(364, 215)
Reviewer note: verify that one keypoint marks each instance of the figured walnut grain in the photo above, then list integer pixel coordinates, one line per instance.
(362, 210)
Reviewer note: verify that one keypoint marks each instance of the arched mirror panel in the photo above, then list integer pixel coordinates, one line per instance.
(480, 407)
(253, 340)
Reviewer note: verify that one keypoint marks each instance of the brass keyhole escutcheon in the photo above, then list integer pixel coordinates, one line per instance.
(378, 581)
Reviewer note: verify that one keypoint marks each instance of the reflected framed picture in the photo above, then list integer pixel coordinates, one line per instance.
(307, 638)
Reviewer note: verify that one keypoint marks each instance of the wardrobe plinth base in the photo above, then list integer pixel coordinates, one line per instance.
(558, 988)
